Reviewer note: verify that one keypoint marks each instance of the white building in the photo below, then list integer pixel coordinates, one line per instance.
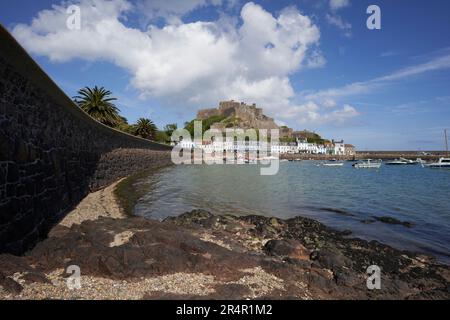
(301, 146)
(339, 148)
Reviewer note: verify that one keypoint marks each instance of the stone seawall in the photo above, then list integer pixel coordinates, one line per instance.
(52, 154)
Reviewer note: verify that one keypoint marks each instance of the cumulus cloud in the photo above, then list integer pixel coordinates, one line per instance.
(329, 103)
(196, 63)
(312, 112)
(173, 10)
(337, 21)
(338, 4)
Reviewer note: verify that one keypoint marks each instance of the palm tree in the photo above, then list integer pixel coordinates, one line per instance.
(145, 128)
(97, 102)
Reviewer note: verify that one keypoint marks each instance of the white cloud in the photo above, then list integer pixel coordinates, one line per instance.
(337, 21)
(313, 113)
(365, 87)
(432, 65)
(342, 115)
(389, 53)
(338, 4)
(196, 63)
(316, 60)
(329, 103)
(173, 10)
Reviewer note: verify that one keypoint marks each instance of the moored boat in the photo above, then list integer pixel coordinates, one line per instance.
(442, 163)
(396, 162)
(368, 164)
(333, 164)
(409, 162)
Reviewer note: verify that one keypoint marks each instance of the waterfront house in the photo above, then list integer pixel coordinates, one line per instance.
(350, 150)
(300, 146)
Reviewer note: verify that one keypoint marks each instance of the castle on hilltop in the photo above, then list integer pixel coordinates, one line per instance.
(238, 114)
(232, 114)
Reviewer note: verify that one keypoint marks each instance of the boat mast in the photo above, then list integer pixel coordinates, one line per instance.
(446, 141)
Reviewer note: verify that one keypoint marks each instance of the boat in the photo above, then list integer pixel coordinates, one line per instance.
(409, 162)
(368, 164)
(442, 163)
(333, 164)
(396, 162)
(402, 161)
(420, 161)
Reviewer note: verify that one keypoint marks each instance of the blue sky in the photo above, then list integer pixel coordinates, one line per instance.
(311, 64)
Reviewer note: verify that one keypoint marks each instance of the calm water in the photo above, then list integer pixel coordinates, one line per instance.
(407, 193)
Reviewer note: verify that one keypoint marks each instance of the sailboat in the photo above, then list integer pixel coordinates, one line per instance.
(443, 162)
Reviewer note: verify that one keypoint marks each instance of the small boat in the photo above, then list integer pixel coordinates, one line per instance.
(368, 164)
(409, 162)
(396, 162)
(442, 163)
(333, 164)
(420, 161)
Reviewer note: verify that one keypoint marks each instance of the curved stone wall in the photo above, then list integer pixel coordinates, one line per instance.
(52, 154)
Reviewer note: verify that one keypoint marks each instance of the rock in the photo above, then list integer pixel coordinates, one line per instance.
(287, 249)
(274, 222)
(348, 279)
(390, 220)
(121, 239)
(194, 217)
(10, 285)
(338, 211)
(304, 258)
(230, 291)
(32, 277)
(331, 258)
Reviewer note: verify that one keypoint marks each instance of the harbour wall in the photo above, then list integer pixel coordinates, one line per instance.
(52, 154)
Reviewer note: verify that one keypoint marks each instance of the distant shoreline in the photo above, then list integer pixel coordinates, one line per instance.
(360, 155)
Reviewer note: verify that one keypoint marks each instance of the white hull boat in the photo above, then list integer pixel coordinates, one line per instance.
(396, 163)
(409, 162)
(335, 164)
(368, 164)
(401, 162)
(442, 163)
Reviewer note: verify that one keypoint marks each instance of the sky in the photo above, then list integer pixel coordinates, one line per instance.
(310, 64)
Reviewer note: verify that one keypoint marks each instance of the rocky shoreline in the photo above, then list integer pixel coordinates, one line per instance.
(202, 256)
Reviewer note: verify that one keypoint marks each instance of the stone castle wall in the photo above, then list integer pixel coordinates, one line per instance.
(52, 154)
(206, 113)
(249, 115)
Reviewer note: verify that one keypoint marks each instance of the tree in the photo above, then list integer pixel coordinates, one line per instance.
(162, 137)
(206, 124)
(170, 128)
(145, 128)
(97, 102)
